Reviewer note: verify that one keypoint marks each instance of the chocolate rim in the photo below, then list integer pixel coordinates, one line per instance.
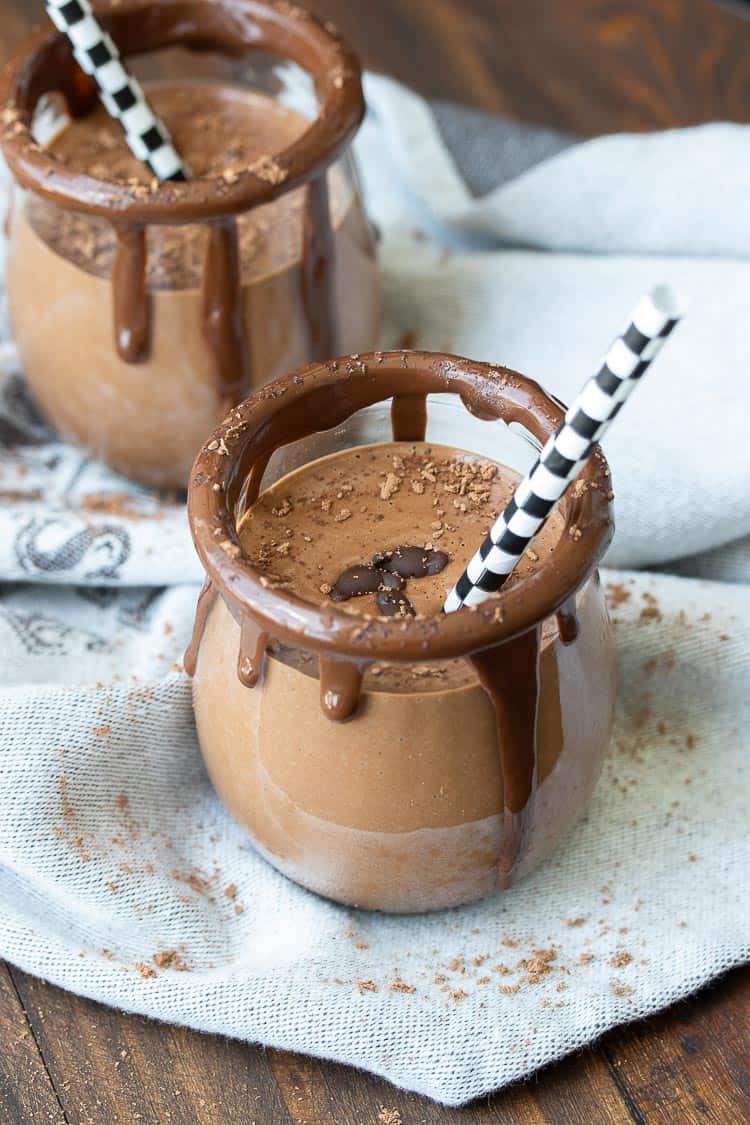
(323, 395)
(45, 62)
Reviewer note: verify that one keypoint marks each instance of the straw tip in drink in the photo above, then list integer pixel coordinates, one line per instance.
(668, 301)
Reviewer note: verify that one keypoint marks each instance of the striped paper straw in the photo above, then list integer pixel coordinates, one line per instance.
(123, 98)
(567, 451)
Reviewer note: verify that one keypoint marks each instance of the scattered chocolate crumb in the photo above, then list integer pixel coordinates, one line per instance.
(171, 959)
(366, 986)
(230, 892)
(401, 986)
(165, 959)
(620, 960)
(117, 504)
(390, 486)
(145, 970)
(389, 1116)
(538, 965)
(617, 593)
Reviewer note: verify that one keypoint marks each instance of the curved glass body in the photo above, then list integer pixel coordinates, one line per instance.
(145, 407)
(401, 808)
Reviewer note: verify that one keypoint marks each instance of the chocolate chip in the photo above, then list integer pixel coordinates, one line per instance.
(356, 581)
(392, 603)
(412, 562)
(386, 576)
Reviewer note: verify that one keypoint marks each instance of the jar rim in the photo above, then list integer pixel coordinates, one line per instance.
(322, 396)
(45, 62)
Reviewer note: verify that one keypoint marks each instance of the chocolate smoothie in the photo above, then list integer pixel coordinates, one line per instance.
(146, 414)
(402, 807)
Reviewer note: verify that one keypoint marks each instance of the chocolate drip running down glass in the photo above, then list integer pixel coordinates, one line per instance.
(134, 302)
(396, 758)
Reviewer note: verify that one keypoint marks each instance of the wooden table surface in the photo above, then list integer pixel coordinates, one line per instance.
(590, 66)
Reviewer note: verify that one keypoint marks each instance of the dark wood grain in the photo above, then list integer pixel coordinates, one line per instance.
(687, 1065)
(26, 1091)
(108, 1068)
(589, 66)
(684, 1068)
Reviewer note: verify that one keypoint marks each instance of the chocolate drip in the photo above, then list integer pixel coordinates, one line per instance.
(340, 687)
(317, 271)
(222, 312)
(253, 641)
(509, 673)
(130, 295)
(206, 600)
(409, 417)
(567, 621)
(79, 90)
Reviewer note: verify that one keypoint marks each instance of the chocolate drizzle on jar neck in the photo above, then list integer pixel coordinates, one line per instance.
(567, 621)
(317, 271)
(509, 673)
(130, 299)
(253, 641)
(409, 417)
(233, 27)
(206, 600)
(223, 329)
(340, 686)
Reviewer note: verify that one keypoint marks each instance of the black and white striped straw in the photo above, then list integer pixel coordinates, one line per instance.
(122, 95)
(567, 451)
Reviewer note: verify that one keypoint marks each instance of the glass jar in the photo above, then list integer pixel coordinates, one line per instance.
(135, 303)
(414, 799)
